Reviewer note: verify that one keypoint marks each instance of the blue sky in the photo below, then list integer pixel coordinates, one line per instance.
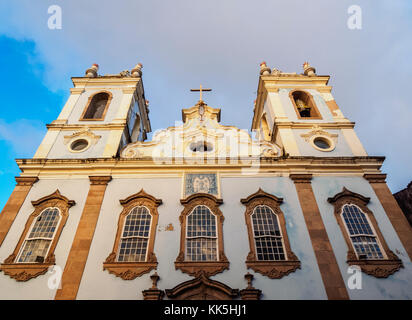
(220, 44)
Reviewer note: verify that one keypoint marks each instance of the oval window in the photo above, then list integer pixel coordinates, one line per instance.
(79, 145)
(321, 143)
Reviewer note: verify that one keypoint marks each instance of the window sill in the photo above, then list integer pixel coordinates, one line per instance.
(206, 268)
(274, 269)
(129, 270)
(380, 268)
(25, 271)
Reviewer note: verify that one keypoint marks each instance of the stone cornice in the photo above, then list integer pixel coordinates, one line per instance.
(100, 180)
(26, 181)
(76, 127)
(105, 81)
(309, 125)
(375, 178)
(324, 166)
(301, 178)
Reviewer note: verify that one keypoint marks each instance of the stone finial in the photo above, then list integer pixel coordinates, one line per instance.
(264, 69)
(92, 71)
(250, 292)
(249, 279)
(137, 71)
(155, 278)
(308, 70)
(276, 72)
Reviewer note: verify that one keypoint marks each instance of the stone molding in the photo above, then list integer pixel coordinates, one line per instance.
(379, 268)
(272, 269)
(27, 271)
(198, 268)
(132, 270)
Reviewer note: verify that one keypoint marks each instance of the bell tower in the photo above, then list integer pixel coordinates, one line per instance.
(299, 113)
(102, 114)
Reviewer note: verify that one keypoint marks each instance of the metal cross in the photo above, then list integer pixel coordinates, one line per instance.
(201, 91)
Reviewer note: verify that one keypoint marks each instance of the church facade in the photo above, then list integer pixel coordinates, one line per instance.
(203, 210)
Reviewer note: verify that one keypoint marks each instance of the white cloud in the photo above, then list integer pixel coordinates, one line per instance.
(220, 44)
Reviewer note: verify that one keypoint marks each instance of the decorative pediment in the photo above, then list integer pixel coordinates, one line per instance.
(141, 194)
(345, 193)
(54, 196)
(317, 131)
(261, 194)
(201, 136)
(83, 134)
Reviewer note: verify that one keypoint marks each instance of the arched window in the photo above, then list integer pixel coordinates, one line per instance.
(135, 236)
(97, 106)
(133, 254)
(367, 247)
(270, 252)
(37, 243)
(267, 234)
(304, 105)
(363, 238)
(34, 252)
(201, 236)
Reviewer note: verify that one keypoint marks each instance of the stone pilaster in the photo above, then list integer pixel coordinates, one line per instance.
(13, 205)
(79, 251)
(392, 209)
(328, 266)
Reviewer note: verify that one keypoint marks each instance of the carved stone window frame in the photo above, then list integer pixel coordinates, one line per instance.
(312, 102)
(132, 270)
(109, 99)
(198, 268)
(379, 268)
(86, 134)
(317, 132)
(28, 270)
(274, 269)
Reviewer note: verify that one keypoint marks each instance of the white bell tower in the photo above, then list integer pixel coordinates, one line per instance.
(102, 114)
(299, 113)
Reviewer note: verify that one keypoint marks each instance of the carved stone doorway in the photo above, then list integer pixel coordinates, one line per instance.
(202, 288)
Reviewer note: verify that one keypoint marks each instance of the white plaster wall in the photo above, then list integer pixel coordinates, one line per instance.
(82, 102)
(99, 284)
(302, 284)
(59, 150)
(396, 286)
(306, 149)
(37, 288)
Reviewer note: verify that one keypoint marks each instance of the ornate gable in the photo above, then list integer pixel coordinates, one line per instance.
(201, 136)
